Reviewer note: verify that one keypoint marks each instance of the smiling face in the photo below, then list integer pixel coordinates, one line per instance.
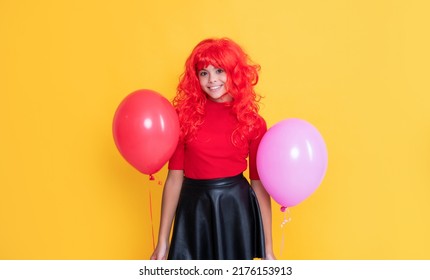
(213, 82)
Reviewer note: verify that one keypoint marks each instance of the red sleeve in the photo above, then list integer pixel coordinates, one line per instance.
(253, 148)
(176, 162)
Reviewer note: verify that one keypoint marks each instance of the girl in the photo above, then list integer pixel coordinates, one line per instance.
(219, 214)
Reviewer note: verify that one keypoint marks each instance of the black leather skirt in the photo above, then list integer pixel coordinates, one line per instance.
(217, 219)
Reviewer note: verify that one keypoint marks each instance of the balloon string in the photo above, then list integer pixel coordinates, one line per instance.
(153, 178)
(159, 182)
(152, 222)
(285, 220)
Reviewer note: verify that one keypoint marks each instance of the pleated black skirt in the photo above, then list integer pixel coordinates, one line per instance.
(217, 219)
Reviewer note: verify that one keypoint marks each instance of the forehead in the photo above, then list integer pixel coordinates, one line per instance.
(209, 67)
(206, 61)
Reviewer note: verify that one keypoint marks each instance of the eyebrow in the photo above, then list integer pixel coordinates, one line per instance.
(215, 68)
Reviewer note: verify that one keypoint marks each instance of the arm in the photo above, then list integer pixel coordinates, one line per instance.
(172, 189)
(266, 215)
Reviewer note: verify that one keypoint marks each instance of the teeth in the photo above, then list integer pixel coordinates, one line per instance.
(216, 87)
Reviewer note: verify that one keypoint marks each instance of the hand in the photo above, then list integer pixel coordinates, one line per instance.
(270, 256)
(160, 252)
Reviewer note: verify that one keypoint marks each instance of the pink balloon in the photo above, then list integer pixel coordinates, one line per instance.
(146, 130)
(291, 161)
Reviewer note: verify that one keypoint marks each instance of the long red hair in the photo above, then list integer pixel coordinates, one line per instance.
(242, 76)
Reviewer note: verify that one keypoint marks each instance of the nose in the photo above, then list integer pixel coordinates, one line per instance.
(212, 78)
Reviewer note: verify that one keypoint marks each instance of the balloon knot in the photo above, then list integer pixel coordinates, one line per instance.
(283, 208)
(151, 177)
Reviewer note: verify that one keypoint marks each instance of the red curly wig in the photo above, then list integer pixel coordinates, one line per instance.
(242, 76)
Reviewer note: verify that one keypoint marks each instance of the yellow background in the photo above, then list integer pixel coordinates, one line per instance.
(357, 70)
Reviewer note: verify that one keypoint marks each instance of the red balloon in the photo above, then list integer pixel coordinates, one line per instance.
(146, 130)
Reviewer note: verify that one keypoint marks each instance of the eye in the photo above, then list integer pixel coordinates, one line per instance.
(220, 70)
(203, 73)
